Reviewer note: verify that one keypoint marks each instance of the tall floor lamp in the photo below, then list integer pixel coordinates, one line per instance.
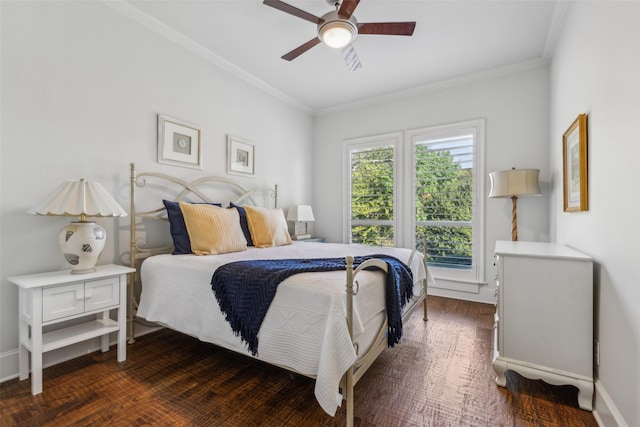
(513, 183)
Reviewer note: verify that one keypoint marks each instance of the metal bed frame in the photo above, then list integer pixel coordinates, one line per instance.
(187, 190)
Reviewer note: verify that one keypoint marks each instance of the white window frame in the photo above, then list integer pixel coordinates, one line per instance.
(394, 139)
(477, 128)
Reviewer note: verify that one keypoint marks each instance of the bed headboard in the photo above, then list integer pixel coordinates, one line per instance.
(147, 209)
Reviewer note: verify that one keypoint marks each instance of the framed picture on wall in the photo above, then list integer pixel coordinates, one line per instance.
(574, 160)
(179, 143)
(240, 156)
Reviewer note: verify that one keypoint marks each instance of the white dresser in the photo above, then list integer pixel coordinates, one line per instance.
(544, 316)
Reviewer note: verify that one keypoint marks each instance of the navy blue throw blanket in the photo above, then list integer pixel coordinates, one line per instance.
(244, 290)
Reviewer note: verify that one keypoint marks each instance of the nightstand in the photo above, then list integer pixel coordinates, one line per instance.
(50, 298)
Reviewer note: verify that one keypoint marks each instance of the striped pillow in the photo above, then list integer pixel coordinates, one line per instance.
(213, 230)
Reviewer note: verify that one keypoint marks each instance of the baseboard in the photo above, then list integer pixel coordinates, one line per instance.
(483, 297)
(605, 411)
(9, 360)
(463, 290)
(8, 365)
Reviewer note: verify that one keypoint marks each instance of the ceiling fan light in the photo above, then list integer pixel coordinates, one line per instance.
(336, 31)
(336, 34)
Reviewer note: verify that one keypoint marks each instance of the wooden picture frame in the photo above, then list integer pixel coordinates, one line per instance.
(240, 156)
(574, 166)
(179, 143)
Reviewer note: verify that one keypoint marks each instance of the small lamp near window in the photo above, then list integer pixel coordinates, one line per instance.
(301, 215)
(513, 183)
(81, 241)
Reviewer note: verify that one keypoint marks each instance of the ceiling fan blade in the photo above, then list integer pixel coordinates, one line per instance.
(291, 10)
(301, 49)
(387, 28)
(351, 58)
(347, 8)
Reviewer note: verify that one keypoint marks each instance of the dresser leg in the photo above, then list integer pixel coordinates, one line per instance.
(500, 367)
(585, 395)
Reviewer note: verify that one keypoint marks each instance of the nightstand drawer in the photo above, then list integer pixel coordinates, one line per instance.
(99, 294)
(76, 298)
(62, 301)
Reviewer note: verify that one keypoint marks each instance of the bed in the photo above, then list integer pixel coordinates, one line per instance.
(327, 325)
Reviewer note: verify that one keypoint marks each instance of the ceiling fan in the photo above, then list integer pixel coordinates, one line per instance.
(338, 28)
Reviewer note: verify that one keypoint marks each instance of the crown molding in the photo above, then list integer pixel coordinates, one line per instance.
(192, 46)
(437, 86)
(559, 15)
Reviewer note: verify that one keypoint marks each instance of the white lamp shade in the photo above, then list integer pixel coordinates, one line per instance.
(514, 182)
(78, 198)
(300, 213)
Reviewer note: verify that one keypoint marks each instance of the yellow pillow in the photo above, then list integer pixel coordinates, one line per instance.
(268, 227)
(213, 230)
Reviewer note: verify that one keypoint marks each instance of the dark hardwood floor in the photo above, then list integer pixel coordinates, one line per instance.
(439, 375)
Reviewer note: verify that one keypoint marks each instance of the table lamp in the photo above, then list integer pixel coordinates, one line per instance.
(81, 241)
(301, 215)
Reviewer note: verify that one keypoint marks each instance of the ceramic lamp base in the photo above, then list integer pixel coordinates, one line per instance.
(82, 243)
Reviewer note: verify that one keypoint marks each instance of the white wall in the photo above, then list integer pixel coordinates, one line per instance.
(596, 70)
(81, 89)
(515, 107)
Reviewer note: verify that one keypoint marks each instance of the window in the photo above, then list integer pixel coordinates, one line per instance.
(447, 184)
(443, 198)
(372, 193)
(439, 195)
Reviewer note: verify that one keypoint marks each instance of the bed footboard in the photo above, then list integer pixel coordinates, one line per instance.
(357, 370)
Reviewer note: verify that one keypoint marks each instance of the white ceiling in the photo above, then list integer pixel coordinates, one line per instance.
(453, 39)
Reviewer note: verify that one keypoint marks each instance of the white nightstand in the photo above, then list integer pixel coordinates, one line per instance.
(54, 297)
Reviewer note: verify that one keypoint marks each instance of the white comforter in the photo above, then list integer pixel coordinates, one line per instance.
(304, 329)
